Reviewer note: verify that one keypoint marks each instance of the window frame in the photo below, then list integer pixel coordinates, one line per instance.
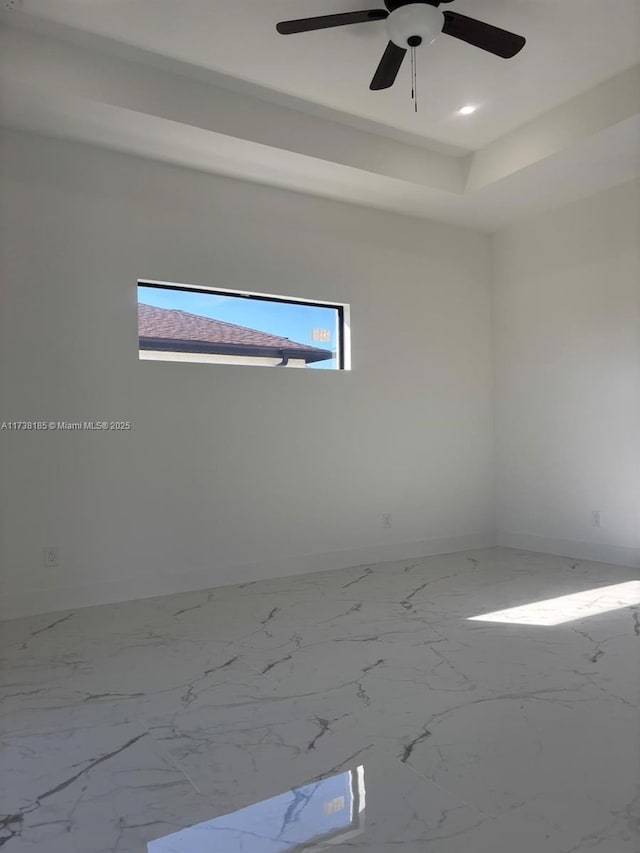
(343, 350)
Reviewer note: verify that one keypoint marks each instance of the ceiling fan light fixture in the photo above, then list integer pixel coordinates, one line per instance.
(414, 20)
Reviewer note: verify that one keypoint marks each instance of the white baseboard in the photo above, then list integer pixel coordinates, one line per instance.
(30, 603)
(596, 552)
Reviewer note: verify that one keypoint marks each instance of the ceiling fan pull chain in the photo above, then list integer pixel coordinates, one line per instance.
(415, 80)
(413, 91)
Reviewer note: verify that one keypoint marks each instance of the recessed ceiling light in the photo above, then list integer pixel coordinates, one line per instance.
(466, 111)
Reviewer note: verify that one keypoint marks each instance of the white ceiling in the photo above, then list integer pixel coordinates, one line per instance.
(210, 85)
(571, 46)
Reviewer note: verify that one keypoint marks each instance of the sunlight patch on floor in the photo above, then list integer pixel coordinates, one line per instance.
(567, 608)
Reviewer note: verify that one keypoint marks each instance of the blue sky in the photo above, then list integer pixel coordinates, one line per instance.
(294, 321)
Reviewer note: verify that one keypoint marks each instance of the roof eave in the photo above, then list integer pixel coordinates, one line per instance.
(311, 355)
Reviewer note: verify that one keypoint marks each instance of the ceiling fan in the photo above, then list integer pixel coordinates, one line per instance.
(409, 24)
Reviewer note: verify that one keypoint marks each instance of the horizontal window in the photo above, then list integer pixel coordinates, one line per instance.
(184, 323)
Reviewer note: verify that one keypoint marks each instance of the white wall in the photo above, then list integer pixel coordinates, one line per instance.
(567, 352)
(229, 473)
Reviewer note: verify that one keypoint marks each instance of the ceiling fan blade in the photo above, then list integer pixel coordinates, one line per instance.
(390, 63)
(304, 25)
(484, 36)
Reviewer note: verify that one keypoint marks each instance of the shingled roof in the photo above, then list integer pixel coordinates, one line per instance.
(171, 330)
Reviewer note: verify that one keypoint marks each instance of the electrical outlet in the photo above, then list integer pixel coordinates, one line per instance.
(51, 557)
(595, 518)
(387, 519)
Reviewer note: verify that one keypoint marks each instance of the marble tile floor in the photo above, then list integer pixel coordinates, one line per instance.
(357, 710)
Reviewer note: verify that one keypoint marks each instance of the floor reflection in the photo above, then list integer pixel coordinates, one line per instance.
(312, 818)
